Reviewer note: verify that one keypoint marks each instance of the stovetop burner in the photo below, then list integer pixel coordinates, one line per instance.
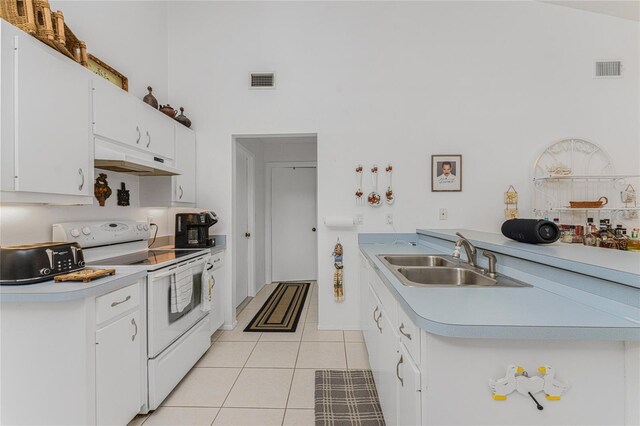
(147, 257)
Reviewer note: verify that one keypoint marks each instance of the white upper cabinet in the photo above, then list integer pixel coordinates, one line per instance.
(185, 184)
(180, 190)
(115, 114)
(50, 142)
(157, 131)
(120, 117)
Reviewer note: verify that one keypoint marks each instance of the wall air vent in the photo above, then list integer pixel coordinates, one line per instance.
(262, 80)
(608, 69)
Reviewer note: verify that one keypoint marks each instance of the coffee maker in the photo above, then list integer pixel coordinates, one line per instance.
(192, 229)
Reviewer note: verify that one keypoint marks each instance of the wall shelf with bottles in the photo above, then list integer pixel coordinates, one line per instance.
(576, 170)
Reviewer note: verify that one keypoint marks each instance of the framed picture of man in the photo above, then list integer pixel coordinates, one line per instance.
(446, 173)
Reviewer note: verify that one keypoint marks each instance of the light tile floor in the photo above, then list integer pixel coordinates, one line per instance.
(260, 378)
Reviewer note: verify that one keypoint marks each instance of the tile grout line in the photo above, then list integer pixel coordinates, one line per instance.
(295, 364)
(234, 382)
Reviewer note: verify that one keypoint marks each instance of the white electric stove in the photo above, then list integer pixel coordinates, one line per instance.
(175, 341)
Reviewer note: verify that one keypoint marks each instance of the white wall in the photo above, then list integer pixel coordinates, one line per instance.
(397, 82)
(131, 36)
(286, 152)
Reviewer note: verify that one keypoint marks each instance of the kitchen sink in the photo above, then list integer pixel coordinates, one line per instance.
(444, 276)
(434, 270)
(420, 260)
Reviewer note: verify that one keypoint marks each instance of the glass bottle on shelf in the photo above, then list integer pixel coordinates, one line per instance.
(634, 242)
(590, 234)
(606, 239)
(621, 238)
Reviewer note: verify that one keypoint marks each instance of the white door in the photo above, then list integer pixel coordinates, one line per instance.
(293, 224)
(242, 229)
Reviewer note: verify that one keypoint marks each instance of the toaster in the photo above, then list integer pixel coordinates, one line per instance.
(32, 263)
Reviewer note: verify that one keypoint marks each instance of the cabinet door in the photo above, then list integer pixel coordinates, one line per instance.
(158, 135)
(387, 385)
(52, 134)
(364, 288)
(118, 370)
(408, 385)
(185, 184)
(373, 333)
(114, 114)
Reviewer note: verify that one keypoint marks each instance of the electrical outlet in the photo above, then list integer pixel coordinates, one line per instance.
(389, 219)
(359, 220)
(443, 214)
(149, 219)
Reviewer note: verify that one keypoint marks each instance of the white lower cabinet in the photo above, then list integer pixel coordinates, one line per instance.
(388, 364)
(409, 392)
(118, 369)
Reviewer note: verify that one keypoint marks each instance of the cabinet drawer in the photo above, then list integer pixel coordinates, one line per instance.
(115, 303)
(409, 335)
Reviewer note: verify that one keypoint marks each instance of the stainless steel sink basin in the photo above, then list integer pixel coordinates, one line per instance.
(418, 260)
(434, 270)
(444, 276)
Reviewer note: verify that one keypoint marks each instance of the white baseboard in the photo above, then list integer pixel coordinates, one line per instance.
(229, 327)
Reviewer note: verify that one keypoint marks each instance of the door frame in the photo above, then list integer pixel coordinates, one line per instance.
(251, 261)
(268, 267)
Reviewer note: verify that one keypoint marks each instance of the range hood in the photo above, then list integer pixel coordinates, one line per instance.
(117, 158)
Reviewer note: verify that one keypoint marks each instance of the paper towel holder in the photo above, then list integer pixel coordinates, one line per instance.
(343, 221)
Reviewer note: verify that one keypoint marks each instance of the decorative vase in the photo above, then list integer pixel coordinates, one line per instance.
(182, 119)
(150, 99)
(101, 189)
(123, 195)
(168, 110)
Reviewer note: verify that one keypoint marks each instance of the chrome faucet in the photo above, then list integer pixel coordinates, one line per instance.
(472, 253)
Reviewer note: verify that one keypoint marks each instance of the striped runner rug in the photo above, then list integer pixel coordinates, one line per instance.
(347, 398)
(281, 312)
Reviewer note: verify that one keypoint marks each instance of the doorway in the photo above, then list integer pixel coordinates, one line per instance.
(292, 158)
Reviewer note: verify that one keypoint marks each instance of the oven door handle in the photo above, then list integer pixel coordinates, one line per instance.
(181, 267)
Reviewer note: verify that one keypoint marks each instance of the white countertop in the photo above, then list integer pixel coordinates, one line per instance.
(50, 291)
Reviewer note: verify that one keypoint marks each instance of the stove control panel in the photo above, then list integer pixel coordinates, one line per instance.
(100, 233)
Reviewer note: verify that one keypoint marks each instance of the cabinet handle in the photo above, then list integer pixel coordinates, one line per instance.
(135, 333)
(149, 137)
(407, 335)
(139, 134)
(400, 361)
(81, 173)
(113, 304)
(374, 313)
(378, 323)
(181, 191)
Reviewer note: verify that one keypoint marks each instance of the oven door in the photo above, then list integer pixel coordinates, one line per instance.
(166, 327)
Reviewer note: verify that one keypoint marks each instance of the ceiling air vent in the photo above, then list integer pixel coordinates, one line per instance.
(263, 80)
(608, 69)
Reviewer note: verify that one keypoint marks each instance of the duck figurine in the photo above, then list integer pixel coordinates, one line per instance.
(552, 387)
(526, 385)
(504, 386)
